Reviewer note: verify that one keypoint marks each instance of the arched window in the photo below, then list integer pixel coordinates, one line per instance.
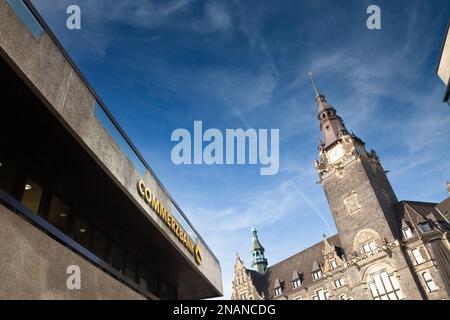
(384, 286)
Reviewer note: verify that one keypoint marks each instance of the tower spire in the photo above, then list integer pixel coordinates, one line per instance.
(316, 90)
(331, 125)
(259, 261)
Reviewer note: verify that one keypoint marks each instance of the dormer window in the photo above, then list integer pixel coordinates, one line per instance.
(332, 263)
(278, 288)
(278, 291)
(297, 283)
(425, 227)
(297, 280)
(317, 274)
(407, 233)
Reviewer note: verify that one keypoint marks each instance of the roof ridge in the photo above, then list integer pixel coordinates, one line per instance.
(296, 254)
(420, 202)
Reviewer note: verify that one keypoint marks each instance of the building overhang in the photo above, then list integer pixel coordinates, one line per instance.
(50, 74)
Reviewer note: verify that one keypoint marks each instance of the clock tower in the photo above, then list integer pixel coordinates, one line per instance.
(356, 186)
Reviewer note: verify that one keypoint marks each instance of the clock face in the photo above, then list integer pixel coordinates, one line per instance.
(336, 153)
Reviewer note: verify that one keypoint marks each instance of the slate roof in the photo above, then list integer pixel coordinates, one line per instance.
(425, 211)
(257, 280)
(420, 212)
(423, 208)
(302, 263)
(444, 207)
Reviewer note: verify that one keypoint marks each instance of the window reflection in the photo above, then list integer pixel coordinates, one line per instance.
(81, 232)
(425, 227)
(7, 174)
(116, 258)
(164, 292)
(32, 195)
(98, 244)
(130, 267)
(27, 17)
(153, 283)
(58, 215)
(143, 277)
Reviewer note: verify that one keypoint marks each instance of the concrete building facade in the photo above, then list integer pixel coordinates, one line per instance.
(385, 249)
(74, 190)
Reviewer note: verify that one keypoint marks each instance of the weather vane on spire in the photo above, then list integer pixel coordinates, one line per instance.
(316, 90)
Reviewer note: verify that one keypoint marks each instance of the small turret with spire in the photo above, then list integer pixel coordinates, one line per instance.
(259, 262)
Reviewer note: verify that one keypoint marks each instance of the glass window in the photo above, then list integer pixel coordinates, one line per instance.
(167, 292)
(383, 287)
(338, 283)
(164, 291)
(297, 284)
(116, 258)
(278, 291)
(333, 264)
(7, 174)
(243, 296)
(143, 277)
(81, 232)
(317, 275)
(172, 293)
(407, 233)
(425, 227)
(153, 283)
(130, 267)
(98, 244)
(429, 281)
(32, 195)
(369, 247)
(418, 256)
(58, 215)
(321, 295)
(26, 17)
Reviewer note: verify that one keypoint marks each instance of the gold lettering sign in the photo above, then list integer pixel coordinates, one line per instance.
(170, 221)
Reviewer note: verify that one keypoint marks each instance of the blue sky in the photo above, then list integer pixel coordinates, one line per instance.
(161, 65)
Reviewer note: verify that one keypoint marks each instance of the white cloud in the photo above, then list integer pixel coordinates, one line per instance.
(218, 16)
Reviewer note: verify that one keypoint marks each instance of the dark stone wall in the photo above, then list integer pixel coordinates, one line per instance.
(371, 215)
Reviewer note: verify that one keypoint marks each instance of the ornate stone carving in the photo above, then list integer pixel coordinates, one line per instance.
(352, 203)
